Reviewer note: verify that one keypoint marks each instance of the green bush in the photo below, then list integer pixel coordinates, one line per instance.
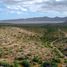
(1, 52)
(16, 64)
(65, 61)
(56, 60)
(46, 64)
(36, 59)
(49, 64)
(25, 63)
(54, 64)
(5, 64)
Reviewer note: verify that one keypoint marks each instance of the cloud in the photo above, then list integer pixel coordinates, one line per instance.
(35, 5)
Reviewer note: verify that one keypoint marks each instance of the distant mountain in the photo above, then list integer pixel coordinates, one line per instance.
(47, 19)
(37, 20)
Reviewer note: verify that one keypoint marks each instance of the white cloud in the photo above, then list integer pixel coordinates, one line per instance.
(35, 5)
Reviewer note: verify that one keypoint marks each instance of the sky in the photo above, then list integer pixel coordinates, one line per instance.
(16, 9)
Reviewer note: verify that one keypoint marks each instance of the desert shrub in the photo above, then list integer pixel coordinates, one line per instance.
(16, 64)
(25, 63)
(5, 64)
(65, 61)
(54, 64)
(1, 52)
(36, 59)
(56, 60)
(19, 58)
(46, 64)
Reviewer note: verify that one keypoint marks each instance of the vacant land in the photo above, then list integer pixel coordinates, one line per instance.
(27, 46)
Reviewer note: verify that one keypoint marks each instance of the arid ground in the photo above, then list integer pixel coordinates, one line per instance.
(33, 46)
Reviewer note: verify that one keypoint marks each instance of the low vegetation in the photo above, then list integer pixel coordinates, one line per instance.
(43, 46)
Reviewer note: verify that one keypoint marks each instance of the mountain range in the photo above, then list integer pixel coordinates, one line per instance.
(37, 20)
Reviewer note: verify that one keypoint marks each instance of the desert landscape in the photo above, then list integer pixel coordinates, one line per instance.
(33, 33)
(33, 46)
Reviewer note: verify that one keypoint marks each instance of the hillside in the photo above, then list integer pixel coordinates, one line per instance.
(35, 44)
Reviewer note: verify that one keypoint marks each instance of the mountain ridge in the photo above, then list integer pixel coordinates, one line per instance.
(36, 20)
(40, 18)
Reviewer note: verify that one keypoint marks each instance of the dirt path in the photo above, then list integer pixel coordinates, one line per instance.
(63, 32)
(57, 50)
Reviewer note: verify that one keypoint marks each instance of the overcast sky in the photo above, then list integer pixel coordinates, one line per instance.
(11, 9)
